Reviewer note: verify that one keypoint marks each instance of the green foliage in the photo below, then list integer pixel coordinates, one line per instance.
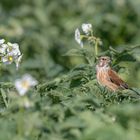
(72, 106)
(45, 29)
(68, 103)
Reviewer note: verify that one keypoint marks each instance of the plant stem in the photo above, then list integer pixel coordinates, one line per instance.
(96, 48)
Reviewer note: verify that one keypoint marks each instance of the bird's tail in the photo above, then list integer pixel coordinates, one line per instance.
(135, 91)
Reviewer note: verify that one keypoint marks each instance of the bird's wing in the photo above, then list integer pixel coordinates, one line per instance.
(116, 79)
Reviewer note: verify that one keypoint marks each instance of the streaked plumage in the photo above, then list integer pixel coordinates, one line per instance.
(108, 77)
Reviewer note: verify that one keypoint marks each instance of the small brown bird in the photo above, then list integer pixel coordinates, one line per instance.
(108, 77)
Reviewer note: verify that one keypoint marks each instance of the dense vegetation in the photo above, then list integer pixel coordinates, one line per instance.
(68, 103)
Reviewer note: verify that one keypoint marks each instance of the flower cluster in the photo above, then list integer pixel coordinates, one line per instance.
(10, 53)
(87, 29)
(87, 35)
(23, 85)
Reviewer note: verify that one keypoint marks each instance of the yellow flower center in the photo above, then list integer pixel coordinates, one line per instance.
(10, 58)
(25, 84)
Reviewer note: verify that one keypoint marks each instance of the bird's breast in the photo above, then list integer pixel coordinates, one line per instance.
(102, 75)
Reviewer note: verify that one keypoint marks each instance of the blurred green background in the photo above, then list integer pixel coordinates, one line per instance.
(45, 29)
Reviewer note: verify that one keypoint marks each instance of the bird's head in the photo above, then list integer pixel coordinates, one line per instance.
(104, 61)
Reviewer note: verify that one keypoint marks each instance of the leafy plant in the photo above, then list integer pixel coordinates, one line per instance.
(68, 103)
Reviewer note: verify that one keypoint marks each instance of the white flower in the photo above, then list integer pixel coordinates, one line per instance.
(2, 41)
(10, 53)
(3, 49)
(7, 59)
(23, 85)
(78, 37)
(86, 27)
(13, 49)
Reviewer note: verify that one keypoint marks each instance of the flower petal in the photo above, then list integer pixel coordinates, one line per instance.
(86, 27)
(78, 37)
(18, 60)
(2, 41)
(20, 88)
